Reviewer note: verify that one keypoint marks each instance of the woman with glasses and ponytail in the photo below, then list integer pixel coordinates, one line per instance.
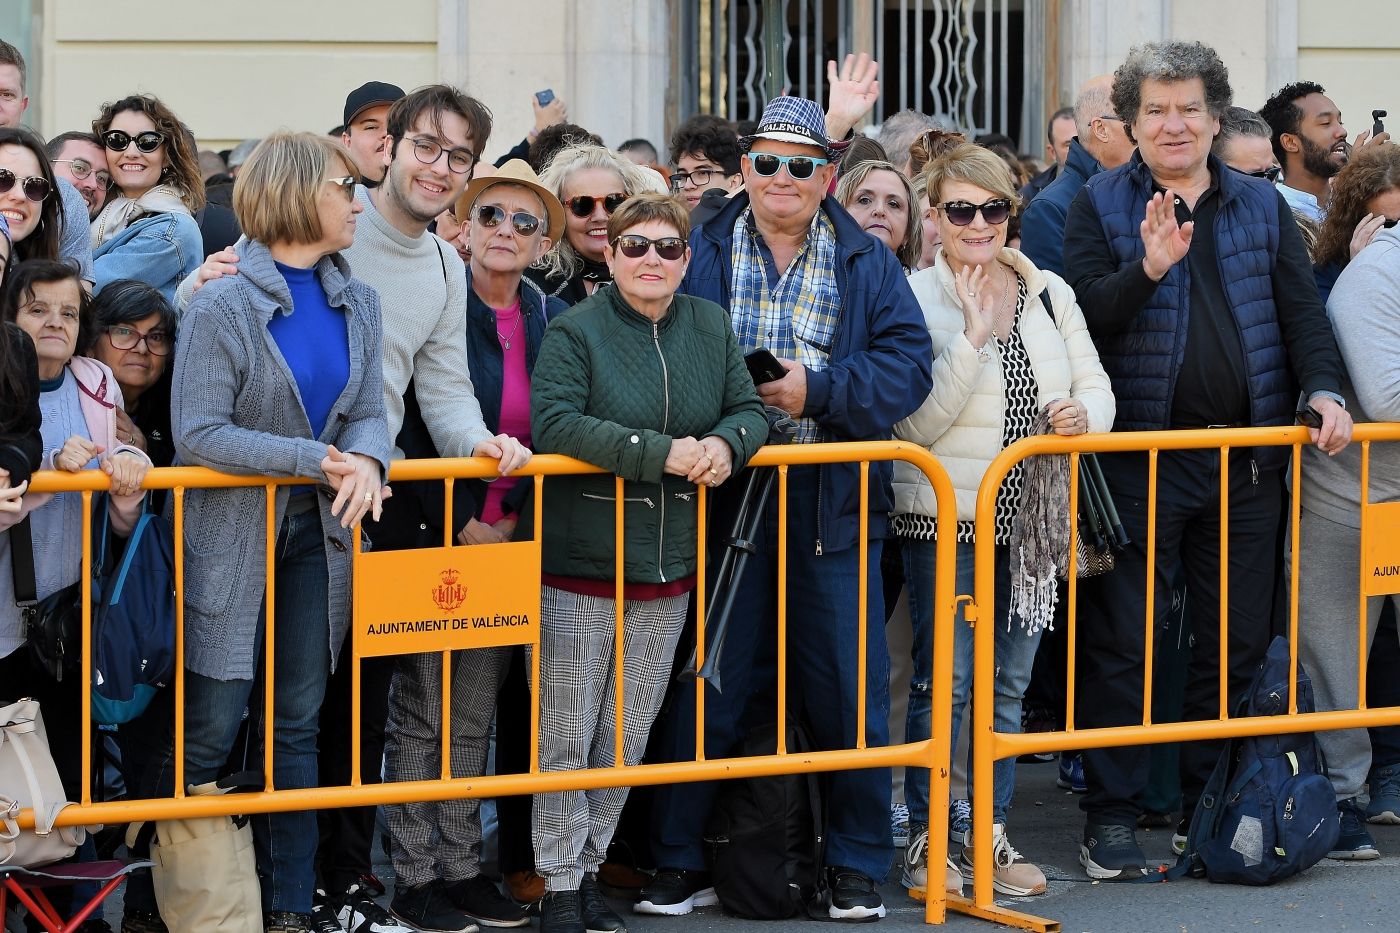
(148, 232)
(650, 386)
(591, 182)
(1012, 357)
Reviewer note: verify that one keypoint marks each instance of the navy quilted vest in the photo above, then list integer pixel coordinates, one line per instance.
(1144, 360)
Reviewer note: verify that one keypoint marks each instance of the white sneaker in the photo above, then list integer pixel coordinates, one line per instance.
(915, 876)
(1010, 875)
(361, 913)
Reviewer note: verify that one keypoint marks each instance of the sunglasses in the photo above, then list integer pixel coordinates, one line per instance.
(961, 213)
(582, 206)
(117, 141)
(35, 187)
(635, 246)
(345, 184)
(492, 215)
(799, 167)
(123, 337)
(1269, 174)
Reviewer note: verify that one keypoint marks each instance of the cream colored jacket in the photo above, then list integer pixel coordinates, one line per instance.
(962, 420)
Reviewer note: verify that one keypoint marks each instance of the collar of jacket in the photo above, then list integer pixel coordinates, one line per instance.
(1222, 176)
(634, 318)
(270, 292)
(531, 299)
(1081, 162)
(850, 238)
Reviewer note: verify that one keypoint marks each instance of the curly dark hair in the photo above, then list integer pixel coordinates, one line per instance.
(1282, 113)
(1169, 61)
(1372, 170)
(553, 139)
(181, 158)
(710, 136)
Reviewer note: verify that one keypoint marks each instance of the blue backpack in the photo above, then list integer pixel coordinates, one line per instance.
(1268, 811)
(133, 628)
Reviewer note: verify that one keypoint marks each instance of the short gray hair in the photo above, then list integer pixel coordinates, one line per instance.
(899, 131)
(1092, 103)
(1169, 61)
(1237, 122)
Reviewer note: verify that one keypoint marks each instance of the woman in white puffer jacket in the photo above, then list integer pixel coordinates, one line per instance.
(1009, 343)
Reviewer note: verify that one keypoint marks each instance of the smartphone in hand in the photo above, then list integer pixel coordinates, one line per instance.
(1310, 417)
(544, 97)
(1377, 127)
(763, 366)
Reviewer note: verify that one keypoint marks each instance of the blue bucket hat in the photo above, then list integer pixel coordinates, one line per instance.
(792, 120)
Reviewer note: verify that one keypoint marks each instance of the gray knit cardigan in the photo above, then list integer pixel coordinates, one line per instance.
(235, 408)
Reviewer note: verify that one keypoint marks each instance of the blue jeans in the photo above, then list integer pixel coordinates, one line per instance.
(822, 645)
(1015, 655)
(286, 842)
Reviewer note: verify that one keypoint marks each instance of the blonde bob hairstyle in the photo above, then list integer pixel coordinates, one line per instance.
(973, 165)
(907, 251)
(563, 261)
(276, 193)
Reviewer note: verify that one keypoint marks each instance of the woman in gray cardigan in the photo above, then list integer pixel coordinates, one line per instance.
(278, 373)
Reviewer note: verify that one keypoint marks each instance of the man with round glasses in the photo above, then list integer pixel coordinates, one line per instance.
(79, 158)
(802, 280)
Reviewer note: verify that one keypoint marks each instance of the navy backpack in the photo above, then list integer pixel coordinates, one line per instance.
(1268, 811)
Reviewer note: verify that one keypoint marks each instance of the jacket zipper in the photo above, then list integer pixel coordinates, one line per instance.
(643, 499)
(665, 427)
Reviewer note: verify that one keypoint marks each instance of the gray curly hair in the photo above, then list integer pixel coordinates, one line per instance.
(1169, 61)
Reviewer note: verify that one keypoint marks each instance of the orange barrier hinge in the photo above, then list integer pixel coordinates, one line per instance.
(970, 612)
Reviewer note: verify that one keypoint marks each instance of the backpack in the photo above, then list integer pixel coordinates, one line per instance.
(133, 627)
(1268, 811)
(764, 835)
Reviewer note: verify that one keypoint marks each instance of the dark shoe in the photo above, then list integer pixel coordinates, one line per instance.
(561, 912)
(1110, 852)
(95, 925)
(359, 912)
(282, 921)
(1151, 820)
(525, 887)
(481, 900)
(1385, 796)
(1071, 776)
(1038, 719)
(853, 896)
(598, 916)
(622, 878)
(675, 892)
(427, 908)
(1354, 842)
(143, 921)
(324, 918)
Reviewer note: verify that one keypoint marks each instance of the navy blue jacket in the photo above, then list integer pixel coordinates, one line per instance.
(1043, 223)
(880, 360)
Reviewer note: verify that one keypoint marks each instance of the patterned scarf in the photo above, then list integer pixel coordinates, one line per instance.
(1040, 537)
(797, 318)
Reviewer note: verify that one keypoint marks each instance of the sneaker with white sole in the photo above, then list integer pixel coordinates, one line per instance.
(1110, 852)
(915, 875)
(852, 896)
(959, 820)
(675, 892)
(359, 912)
(899, 824)
(1010, 874)
(1384, 787)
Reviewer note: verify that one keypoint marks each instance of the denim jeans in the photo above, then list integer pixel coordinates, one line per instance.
(1015, 656)
(286, 842)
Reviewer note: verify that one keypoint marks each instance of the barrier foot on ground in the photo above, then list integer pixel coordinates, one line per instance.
(1002, 915)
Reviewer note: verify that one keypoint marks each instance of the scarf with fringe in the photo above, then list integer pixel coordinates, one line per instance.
(1040, 537)
(121, 212)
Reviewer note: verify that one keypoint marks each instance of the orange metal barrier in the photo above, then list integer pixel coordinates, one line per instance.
(933, 754)
(990, 746)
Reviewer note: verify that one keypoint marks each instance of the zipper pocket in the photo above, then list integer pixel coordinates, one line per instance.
(644, 499)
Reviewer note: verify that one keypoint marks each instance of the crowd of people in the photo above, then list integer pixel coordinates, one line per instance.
(317, 305)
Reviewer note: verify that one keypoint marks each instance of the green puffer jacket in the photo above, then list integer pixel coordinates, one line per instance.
(613, 388)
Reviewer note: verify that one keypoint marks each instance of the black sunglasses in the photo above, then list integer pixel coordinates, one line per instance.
(35, 187)
(799, 167)
(961, 213)
(635, 246)
(1269, 174)
(117, 141)
(583, 205)
(491, 215)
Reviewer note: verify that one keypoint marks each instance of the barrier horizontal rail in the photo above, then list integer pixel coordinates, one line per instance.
(990, 746)
(933, 753)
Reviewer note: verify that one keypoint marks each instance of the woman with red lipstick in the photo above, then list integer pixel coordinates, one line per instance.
(148, 232)
(882, 201)
(591, 182)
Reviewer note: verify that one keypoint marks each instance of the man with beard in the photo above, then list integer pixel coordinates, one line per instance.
(1310, 143)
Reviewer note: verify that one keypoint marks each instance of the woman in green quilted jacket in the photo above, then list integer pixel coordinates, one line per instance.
(649, 385)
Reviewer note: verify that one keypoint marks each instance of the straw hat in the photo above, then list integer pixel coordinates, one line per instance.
(515, 172)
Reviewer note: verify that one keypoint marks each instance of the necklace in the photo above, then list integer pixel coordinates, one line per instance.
(505, 340)
(1001, 306)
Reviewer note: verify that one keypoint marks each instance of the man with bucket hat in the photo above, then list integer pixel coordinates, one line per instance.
(803, 281)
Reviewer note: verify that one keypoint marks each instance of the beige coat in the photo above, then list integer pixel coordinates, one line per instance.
(962, 420)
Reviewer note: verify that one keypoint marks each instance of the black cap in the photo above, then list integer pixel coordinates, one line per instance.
(367, 95)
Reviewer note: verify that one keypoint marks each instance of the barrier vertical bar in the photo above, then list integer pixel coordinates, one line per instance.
(1072, 585)
(982, 614)
(620, 608)
(1224, 671)
(445, 733)
(701, 533)
(535, 652)
(86, 716)
(269, 632)
(940, 746)
(1149, 643)
(355, 659)
(782, 608)
(1362, 627)
(862, 620)
(179, 642)
(1295, 519)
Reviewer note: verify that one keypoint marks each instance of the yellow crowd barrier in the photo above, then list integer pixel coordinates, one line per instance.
(1380, 527)
(385, 591)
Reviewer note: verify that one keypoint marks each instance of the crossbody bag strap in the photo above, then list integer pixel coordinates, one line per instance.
(22, 563)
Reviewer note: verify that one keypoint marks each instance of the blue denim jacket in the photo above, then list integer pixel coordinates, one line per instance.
(158, 249)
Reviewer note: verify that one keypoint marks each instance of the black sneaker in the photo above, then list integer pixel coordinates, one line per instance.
(561, 912)
(283, 921)
(598, 916)
(324, 918)
(142, 921)
(359, 912)
(1354, 842)
(853, 896)
(1110, 852)
(675, 892)
(480, 899)
(427, 908)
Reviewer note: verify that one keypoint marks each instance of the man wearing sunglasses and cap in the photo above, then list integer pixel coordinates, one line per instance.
(803, 281)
